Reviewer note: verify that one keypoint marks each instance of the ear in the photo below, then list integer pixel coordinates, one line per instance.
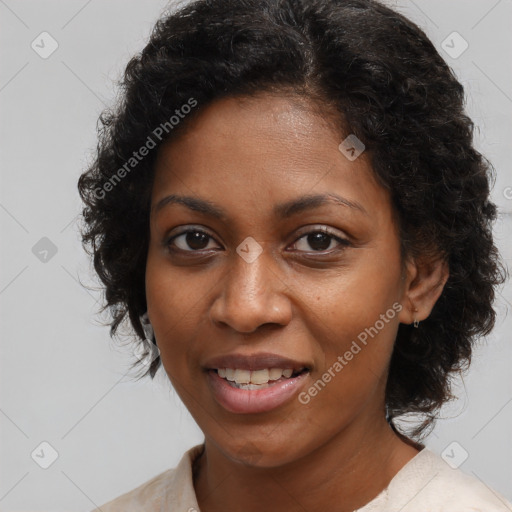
(423, 284)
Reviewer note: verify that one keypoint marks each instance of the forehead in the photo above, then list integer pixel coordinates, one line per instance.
(260, 150)
(286, 120)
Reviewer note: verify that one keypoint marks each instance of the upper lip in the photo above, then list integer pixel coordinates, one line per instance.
(254, 362)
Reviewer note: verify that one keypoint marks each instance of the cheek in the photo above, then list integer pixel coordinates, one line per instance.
(349, 301)
(355, 320)
(171, 309)
(360, 329)
(353, 357)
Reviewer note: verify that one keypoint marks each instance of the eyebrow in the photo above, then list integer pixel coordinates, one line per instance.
(282, 211)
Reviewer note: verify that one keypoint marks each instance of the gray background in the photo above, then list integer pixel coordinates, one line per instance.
(63, 381)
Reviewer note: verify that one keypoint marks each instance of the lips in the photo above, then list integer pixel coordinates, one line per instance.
(231, 380)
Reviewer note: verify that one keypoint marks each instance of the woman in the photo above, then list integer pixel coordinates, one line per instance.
(287, 206)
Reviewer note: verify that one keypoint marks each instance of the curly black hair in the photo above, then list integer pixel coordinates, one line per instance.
(381, 76)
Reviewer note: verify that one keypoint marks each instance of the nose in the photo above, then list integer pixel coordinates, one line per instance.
(252, 294)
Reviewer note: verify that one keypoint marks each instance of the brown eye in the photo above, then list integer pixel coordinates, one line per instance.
(191, 240)
(319, 241)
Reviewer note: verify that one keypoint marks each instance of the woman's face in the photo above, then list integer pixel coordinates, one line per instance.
(292, 261)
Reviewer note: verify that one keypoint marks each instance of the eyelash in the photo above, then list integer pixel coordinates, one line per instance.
(341, 241)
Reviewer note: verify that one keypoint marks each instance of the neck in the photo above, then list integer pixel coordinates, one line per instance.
(349, 471)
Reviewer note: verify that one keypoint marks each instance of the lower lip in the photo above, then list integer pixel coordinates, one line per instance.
(245, 401)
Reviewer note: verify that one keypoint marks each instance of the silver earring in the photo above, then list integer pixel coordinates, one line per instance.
(416, 322)
(147, 357)
(148, 328)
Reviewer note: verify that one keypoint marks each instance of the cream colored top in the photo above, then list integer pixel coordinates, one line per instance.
(425, 484)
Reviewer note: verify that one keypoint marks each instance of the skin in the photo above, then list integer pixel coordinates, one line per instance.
(247, 155)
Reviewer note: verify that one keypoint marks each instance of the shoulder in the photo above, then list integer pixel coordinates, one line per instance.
(171, 487)
(144, 497)
(427, 482)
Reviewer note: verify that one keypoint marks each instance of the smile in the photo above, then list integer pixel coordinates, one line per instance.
(244, 392)
(258, 379)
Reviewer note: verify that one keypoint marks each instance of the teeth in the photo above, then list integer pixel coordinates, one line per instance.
(242, 376)
(275, 373)
(257, 377)
(248, 386)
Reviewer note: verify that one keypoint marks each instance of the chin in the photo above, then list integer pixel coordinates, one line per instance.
(263, 454)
